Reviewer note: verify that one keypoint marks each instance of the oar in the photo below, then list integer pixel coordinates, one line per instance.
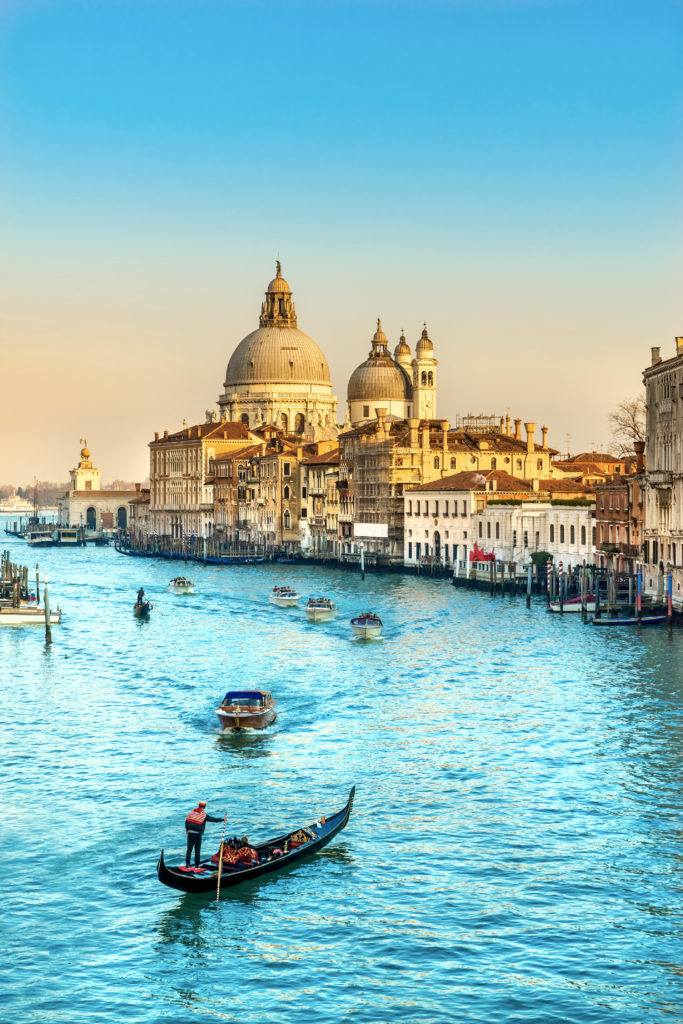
(220, 859)
(155, 609)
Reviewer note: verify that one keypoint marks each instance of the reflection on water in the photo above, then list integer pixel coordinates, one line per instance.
(514, 851)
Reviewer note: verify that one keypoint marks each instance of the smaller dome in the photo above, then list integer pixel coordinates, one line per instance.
(403, 348)
(85, 453)
(278, 284)
(424, 344)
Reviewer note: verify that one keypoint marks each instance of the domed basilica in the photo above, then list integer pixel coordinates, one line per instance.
(278, 375)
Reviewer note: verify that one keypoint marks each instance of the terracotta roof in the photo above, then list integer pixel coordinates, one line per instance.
(476, 480)
(224, 431)
(594, 457)
(556, 486)
(330, 458)
(239, 453)
(124, 495)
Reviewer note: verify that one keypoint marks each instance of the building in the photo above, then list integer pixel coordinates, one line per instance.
(86, 504)
(278, 375)
(319, 523)
(619, 518)
(402, 386)
(663, 479)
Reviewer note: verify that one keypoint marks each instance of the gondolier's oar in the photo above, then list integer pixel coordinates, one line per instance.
(220, 859)
(155, 609)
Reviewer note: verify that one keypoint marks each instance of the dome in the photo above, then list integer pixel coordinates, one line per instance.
(278, 284)
(403, 348)
(277, 354)
(379, 378)
(424, 344)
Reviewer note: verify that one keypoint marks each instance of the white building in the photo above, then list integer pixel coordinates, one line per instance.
(86, 504)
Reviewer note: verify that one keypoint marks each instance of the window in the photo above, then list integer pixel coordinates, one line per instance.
(583, 535)
(481, 529)
(539, 463)
(552, 533)
(497, 531)
(410, 508)
(303, 492)
(417, 507)
(285, 493)
(454, 463)
(526, 539)
(410, 549)
(436, 462)
(514, 539)
(366, 412)
(430, 378)
(424, 379)
(572, 538)
(488, 531)
(426, 508)
(445, 508)
(562, 534)
(417, 551)
(304, 513)
(287, 519)
(519, 463)
(286, 469)
(436, 508)
(537, 540)
(494, 463)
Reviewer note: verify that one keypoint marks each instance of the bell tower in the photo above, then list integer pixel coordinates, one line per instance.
(424, 378)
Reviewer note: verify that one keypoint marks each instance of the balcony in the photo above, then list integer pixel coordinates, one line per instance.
(660, 478)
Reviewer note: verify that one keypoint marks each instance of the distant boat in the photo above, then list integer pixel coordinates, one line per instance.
(246, 709)
(16, 504)
(28, 615)
(39, 537)
(645, 620)
(319, 609)
(572, 604)
(141, 609)
(284, 597)
(180, 585)
(367, 626)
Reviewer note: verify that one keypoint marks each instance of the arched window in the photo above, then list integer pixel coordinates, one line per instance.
(539, 463)
(430, 379)
(121, 518)
(454, 463)
(571, 535)
(436, 462)
(561, 534)
(494, 463)
(583, 534)
(299, 423)
(285, 421)
(287, 519)
(91, 518)
(245, 418)
(424, 379)
(552, 534)
(285, 493)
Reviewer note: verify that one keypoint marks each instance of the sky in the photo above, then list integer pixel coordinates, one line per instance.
(507, 171)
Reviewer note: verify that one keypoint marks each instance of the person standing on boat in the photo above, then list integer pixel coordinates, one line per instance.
(141, 596)
(195, 824)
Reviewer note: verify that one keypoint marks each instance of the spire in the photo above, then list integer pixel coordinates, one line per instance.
(278, 268)
(278, 309)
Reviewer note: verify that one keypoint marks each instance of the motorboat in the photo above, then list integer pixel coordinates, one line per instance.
(573, 604)
(284, 597)
(368, 626)
(631, 620)
(319, 609)
(260, 859)
(181, 585)
(28, 615)
(246, 709)
(40, 537)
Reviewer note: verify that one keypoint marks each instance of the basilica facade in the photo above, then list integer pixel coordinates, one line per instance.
(405, 387)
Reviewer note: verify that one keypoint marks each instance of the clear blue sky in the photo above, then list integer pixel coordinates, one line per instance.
(509, 172)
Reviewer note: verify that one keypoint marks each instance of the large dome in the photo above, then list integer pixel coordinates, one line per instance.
(276, 355)
(379, 378)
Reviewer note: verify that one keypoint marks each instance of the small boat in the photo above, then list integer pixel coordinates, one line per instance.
(180, 585)
(319, 609)
(367, 626)
(40, 538)
(273, 855)
(284, 597)
(141, 609)
(572, 604)
(28, 615)
(246, 709)
(645, 620)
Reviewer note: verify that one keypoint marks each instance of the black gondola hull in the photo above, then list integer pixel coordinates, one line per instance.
(187, 882)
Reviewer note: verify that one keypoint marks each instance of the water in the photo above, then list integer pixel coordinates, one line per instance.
(514, 852)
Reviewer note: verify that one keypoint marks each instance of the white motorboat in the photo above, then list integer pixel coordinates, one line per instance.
(39, 537)
(180, 585)
(284, 597)
(28, 615)
(14, 504)
(573, 604)
(368, 626)
(319, 609)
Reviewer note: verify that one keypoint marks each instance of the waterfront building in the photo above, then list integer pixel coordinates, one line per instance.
(86, 504)
(181, 487)
(663, 479)
(471, 514)
(619, 517)
(278, 375)
(319, 475)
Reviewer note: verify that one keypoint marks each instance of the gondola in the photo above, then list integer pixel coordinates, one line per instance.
(318, 835)
(645, 620)
(141, 611)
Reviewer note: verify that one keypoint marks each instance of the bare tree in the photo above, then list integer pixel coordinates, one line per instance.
(627, 424)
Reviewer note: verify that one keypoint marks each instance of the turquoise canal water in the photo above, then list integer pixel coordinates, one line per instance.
(514, 852)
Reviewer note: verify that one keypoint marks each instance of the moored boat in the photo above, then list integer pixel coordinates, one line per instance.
(246, 709)
(181, 585)
(273, 855)
(284, 597)
(39, 537)
(572, 604)
(630, 620)
(27, 615)
(367, 626)
(319, 609)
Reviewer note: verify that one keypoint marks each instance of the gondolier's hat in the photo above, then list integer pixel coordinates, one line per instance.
(202, 803)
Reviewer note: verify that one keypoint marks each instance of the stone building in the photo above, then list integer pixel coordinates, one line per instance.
(404, 387)
(663, 497)
(86, 504)
(319, 475)
(278, 375)
(619, 517)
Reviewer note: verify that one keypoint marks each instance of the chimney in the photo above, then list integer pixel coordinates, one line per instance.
(381, 415)
(679, 346)
(137, 487)
(413, 425)
(639, 448)
(530, 431)
(518, 430)
(656, 358)
(507, 425)
(445, 427)
(425, 437)
(165, 435)
(156, 435)
(544, 432)
(494, 485)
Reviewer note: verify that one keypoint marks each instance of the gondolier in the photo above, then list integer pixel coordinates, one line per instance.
(195, 824)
